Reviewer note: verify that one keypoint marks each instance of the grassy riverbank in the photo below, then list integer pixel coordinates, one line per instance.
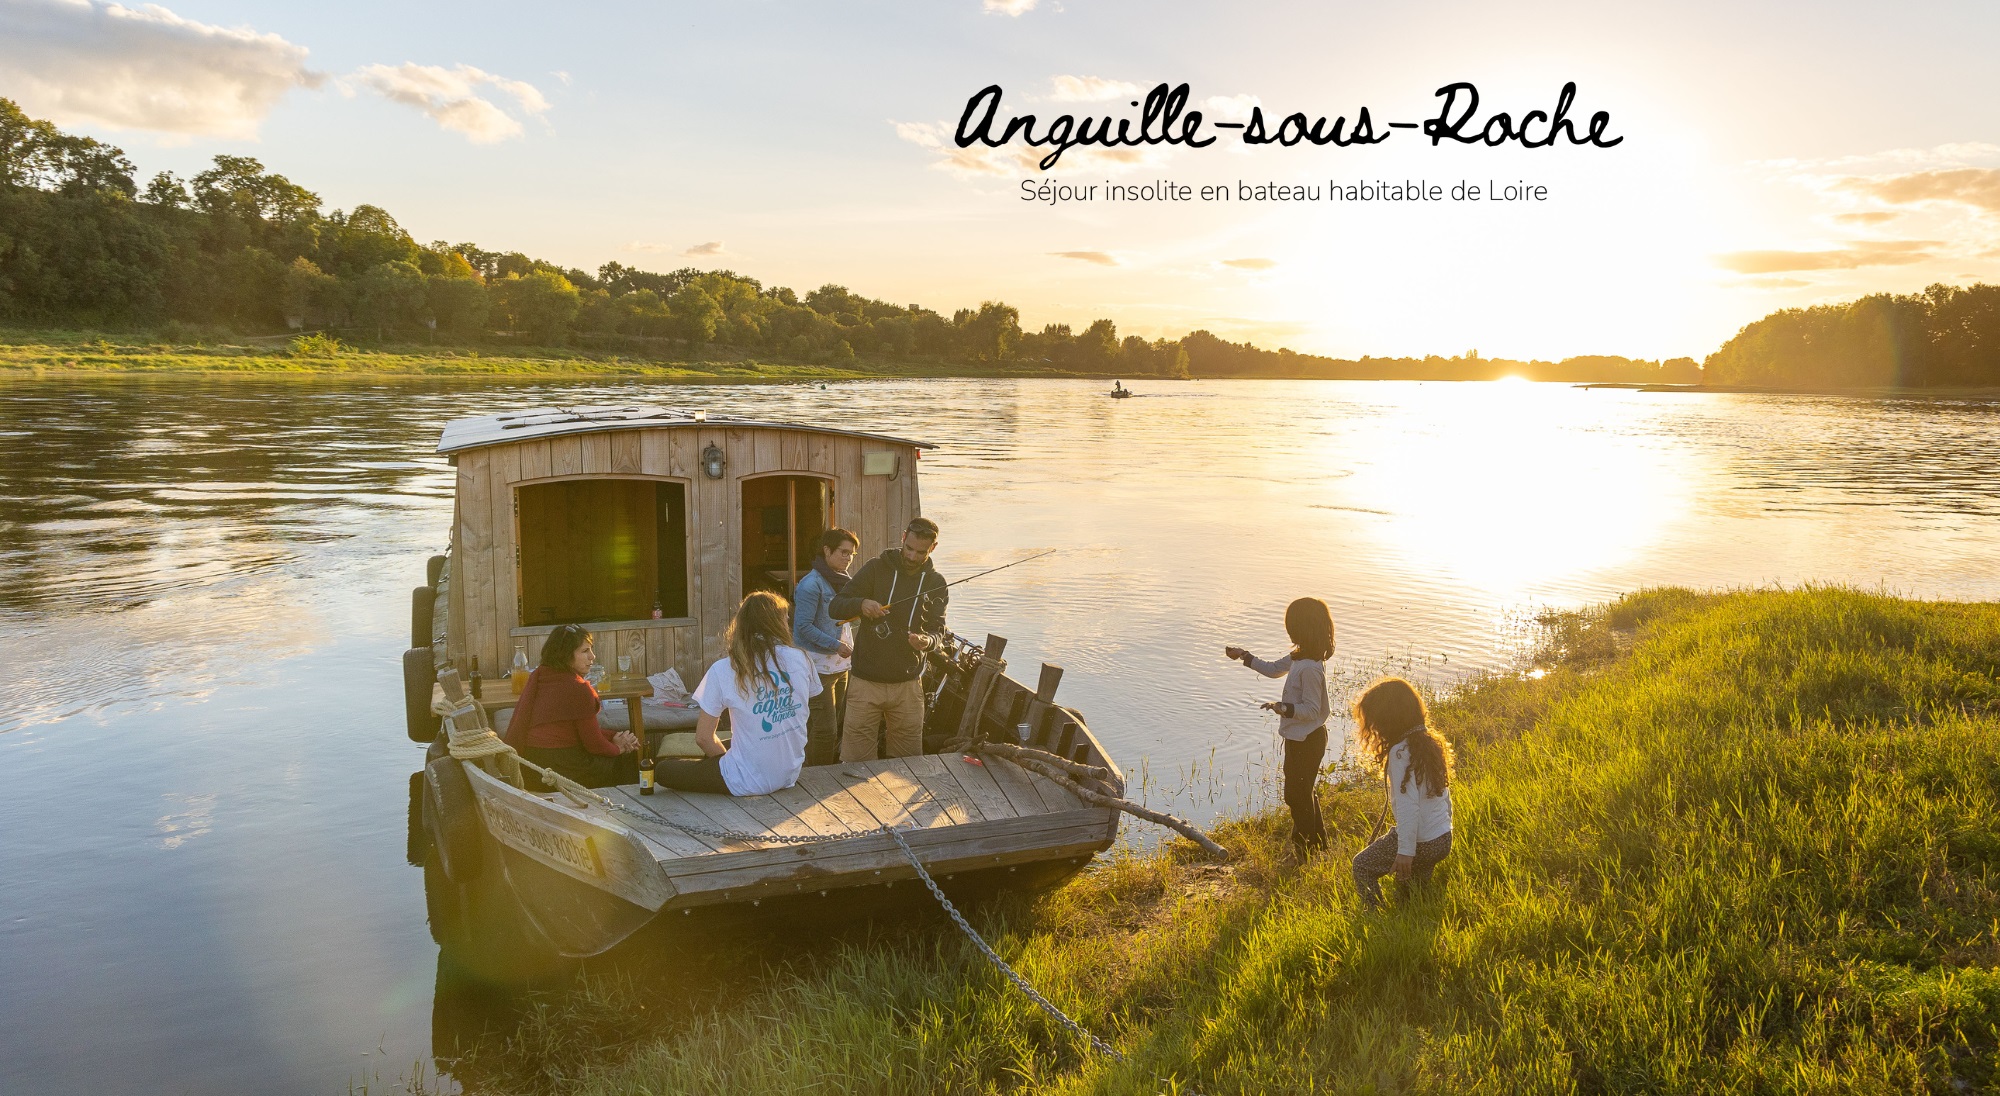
(45, 354)
(1743, 842)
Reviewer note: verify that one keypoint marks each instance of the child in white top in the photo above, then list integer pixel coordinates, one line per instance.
(1302, 710)
(765, 685)
(1390, 724)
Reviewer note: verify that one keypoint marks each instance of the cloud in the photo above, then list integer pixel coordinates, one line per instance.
(88, 61)
(1872, 217)
(452, 97)
(1857, 254)
(1019, 158)
(1250, 264)
(1090, 89)
(712, 247)
(1969, 186)
(641, 245)
(1947, 155)
(977, 160)
(1101, 258)
(1008, 7)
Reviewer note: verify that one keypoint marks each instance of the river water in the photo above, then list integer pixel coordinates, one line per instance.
(205, 586)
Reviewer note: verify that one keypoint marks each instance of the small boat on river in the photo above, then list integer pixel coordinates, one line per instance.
(648, 525)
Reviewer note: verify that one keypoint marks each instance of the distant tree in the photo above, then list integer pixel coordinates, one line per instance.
(1097, 347)
(1964, 335)
(368, 237)
(696, 315)
(459, 304)
(391, 296)
(238, 187)
(310, 296)
(540, 304)
(166, 191)
(989, 334)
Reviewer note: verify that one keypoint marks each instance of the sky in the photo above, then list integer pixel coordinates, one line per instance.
(1774, 155)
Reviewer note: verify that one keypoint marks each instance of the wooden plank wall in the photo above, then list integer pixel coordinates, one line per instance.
(484, 606)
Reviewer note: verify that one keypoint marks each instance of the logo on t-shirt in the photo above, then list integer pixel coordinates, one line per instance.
(776, 703)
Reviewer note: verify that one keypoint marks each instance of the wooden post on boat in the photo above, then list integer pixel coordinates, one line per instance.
(1036, 714)
(991, 666)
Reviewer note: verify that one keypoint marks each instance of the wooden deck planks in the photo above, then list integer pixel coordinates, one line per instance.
(774, 816)
(1020, 790)
(930, 770)
(1055, 795)
(648, 825)
(978, 783)
(923, 808)
(811, 811)
(832, 794)
(1016, 840)
(668, 804)
(881, 801)
(726, 813)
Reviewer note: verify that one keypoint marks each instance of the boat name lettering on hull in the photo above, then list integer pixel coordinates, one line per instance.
(538, 837)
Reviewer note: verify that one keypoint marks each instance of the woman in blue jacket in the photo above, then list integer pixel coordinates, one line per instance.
(828, 643)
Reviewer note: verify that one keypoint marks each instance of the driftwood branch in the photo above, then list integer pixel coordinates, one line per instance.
(1181, 826)
(1012, 752)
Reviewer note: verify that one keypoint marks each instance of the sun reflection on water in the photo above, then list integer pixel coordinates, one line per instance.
(1507, 486)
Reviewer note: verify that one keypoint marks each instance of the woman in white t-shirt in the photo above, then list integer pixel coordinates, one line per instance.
(764, 684)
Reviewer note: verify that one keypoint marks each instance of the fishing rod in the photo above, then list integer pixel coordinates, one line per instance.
(882, 621)
(969, 578)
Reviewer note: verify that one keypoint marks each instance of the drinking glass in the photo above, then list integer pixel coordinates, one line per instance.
(624, 664)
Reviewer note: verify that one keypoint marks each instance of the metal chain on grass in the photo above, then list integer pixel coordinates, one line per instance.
(1020, 983)
(937, 892)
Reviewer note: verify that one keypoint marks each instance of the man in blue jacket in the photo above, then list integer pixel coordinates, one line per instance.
(901, 599)
(827, 642)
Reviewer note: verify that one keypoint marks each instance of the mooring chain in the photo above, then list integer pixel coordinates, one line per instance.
(937, 892)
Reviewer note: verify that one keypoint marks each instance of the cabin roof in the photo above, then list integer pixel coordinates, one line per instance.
(552, 422)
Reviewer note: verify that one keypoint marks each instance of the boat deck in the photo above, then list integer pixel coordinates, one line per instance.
(956, 813)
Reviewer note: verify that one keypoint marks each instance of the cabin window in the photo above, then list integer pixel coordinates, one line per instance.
(783, 517)
(594, 550)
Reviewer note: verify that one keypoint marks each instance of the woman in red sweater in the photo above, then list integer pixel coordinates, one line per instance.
(555, 720)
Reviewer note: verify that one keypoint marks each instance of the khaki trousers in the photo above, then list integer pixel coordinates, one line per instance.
(870, 706)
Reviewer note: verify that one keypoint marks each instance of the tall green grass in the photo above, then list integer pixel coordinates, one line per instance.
(1736, 843)
(64, 353)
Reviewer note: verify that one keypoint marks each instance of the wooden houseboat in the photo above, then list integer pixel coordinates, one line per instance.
(648, 525)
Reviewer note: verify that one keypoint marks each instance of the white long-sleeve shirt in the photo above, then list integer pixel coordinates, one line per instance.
(1419, 816)
(1305, 691)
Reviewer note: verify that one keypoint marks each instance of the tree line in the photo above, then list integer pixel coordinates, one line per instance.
(237, 249)
(1946, 336)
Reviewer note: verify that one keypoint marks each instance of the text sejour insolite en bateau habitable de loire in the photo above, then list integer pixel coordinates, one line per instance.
(1165, 120)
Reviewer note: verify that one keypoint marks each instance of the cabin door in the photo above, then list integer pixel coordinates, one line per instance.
(783, 517)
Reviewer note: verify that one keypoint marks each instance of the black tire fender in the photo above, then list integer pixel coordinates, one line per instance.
(433, 570)
(453, 815)
(419, 674)
(423, 600)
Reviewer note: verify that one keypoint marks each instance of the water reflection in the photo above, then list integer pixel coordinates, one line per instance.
(208, 581)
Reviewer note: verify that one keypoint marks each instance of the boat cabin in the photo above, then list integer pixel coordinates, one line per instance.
(648, 524)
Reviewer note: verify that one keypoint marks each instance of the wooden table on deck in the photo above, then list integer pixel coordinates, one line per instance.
(495, 694)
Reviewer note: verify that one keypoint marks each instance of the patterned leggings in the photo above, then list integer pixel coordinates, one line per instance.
(1379, 859)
